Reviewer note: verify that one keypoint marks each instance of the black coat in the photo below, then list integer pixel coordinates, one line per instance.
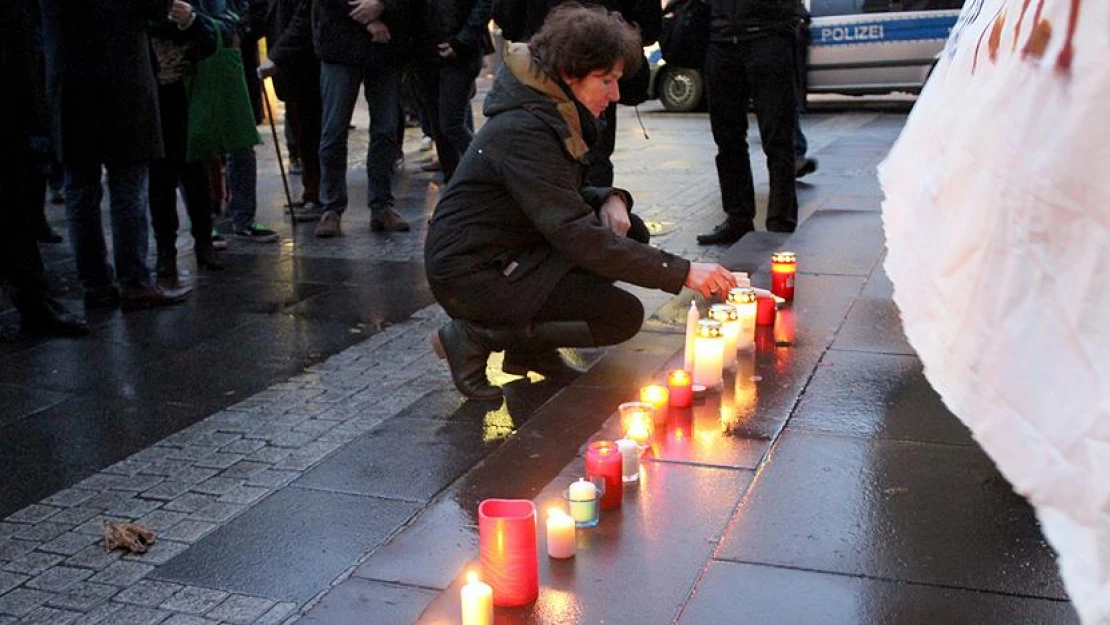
(462, 23)
(339, 39)
(289, 46)
(515, 217)
(100, 79)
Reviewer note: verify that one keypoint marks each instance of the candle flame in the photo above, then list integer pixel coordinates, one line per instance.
(472, 577)
(555, 512)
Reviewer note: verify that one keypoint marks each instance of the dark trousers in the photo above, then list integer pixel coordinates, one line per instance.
(169, 172)
(613, 315)
(600, 173)
(21, 270)
(446, 88)
(761, 70)
(303, 118)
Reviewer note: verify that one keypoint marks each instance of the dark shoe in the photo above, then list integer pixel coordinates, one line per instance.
(466, 356)
(153, 297)
(780, 225)
(549, 363)
(102, 297)
(307, 211)
(387, 220)
(431, 165)
(166, 267)
(52, 319)
(207, 259)
(330, 225)
(725, 234)
(218, 241)
(804, 166)
(256, 233)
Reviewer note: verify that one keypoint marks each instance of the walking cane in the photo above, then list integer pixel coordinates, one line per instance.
(277, 148)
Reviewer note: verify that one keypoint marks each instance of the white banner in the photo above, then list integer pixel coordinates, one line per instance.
(997, 218)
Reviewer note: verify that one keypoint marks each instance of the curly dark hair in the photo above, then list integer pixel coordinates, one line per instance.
(577, 40)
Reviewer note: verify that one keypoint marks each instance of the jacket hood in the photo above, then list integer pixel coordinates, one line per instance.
(522, 84)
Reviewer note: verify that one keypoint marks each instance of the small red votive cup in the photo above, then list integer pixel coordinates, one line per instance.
(765, 311)
(681, 389)
(507, 543)
(604, 461)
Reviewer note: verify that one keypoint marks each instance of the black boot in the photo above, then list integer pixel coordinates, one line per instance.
(466, 347)
(537, 350)
(207, 259)
(47, 317)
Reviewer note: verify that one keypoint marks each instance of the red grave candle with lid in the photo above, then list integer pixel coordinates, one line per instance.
(784, 267)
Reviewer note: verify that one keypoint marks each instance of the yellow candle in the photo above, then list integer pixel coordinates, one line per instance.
(658, 397)
(560, 534)
(477, 601)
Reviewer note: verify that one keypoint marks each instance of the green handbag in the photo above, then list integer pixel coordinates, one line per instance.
(220, 116)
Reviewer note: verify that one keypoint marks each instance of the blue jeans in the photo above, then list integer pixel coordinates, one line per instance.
(339, 86)
(242, 184)
(127, 195)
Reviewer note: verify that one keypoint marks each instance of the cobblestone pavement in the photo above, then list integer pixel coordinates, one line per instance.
(191, 484)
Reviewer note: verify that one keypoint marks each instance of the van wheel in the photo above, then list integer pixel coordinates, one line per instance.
(681, 89)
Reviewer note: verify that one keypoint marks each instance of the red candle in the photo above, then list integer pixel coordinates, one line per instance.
(784, 266)
(603, 460)
(679, 385)
(764, 311)
(507, 542)
(785, 327)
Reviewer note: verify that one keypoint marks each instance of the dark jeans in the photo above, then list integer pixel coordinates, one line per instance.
(21, 270)
(447, 88)
(127, 195)
(761, 69)
(169, 172)
(339, 85)
(613, 315)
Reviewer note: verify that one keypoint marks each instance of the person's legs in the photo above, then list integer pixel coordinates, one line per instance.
(165, 173)
(456, 82)
(308, 126)
(242, 182)
(339, 86)
(770, 65)
(600, 173)
(127, 203)
(383, 96)
(727, 85)
(198, 203)
(86, 233)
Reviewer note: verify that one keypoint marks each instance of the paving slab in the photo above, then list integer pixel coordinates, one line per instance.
(733, 592)
(639, 564)
(904, 511)
(876, 396)
(290, 546)
(360, 601)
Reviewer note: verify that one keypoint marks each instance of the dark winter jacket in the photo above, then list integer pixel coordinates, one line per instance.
(100, 79)
(747, 19)
(515, 218)
(340, 39)
(462, 23)
(289, 46)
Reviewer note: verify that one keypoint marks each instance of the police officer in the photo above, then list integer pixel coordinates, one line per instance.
(751, 57)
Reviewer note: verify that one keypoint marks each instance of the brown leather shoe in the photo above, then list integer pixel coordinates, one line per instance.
(329, 225)
(387, 220)
(154, 296)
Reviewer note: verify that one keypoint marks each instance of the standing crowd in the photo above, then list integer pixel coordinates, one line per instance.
(150, 99)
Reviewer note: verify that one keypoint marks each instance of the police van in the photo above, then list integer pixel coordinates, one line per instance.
(857, 47)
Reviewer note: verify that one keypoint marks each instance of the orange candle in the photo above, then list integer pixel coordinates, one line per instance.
(658, 397)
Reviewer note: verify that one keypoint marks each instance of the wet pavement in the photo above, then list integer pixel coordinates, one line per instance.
(303, 456)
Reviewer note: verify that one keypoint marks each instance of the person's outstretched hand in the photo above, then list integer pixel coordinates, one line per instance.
(710, 279)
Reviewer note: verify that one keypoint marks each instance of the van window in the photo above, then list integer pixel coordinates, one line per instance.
(820, 8)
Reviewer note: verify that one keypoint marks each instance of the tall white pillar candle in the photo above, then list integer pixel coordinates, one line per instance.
(709, 347)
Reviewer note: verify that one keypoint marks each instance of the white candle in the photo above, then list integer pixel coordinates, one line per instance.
(692, 318)
(560, 535)
(742, 278)
(709, 349)
(630, 459)
(582, 497)
(744, 300)
(730, 328)
(477, 601)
